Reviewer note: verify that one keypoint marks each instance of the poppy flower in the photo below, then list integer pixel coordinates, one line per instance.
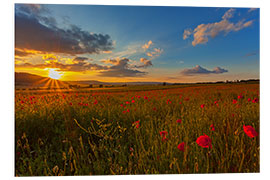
(137, 124)
(202, 106)
(249, 99)
(234, 101)
(204, 141)
(179, 121)
(240, 97)
(132, 101)
(250, 131)
(163, 135)
(255, 100)
(181, 146)
(212, 127)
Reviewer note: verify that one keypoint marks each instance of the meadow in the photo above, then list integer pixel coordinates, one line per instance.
(164, 130)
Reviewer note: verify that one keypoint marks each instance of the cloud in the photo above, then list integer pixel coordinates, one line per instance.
(200, 70)
(252, 9)
(203, 32)
(187, 33)
(147, 45)
(120, 68)
(145, 63)
(254, 53)
(35, 31)
(80, 59)
(76, 67)
(155, 53)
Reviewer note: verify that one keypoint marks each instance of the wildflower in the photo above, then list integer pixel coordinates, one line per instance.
(179, 121)
(127, 102)
(250, 131)
(234, 101)
(255, 100)
(137, 124)
(202, 106)
(70, 103)
(212, 127)
(249, 99)
(240, 97)
(204, 141)
(163, 135)
(181, 146)
(132, 101)
(145, 97)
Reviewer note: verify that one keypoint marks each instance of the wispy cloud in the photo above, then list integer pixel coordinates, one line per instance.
(203, 32)
(147, 45)
(200, 70)
(252, 9)
(253, 53)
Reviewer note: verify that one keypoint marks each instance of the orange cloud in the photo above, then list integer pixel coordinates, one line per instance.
(202, 32)
(147, 45)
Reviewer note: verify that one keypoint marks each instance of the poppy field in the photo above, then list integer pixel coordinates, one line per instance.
(210, 128)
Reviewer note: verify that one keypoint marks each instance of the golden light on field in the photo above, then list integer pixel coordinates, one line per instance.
(54, 74)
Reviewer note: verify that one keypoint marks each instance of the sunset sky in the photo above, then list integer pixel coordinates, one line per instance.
(137, 43)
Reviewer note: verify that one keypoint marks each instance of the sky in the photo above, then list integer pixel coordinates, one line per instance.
(137, 43)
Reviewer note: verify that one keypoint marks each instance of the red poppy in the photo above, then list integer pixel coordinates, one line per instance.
(255, 100)
(181, 146)
(132, 101)
(212, 127)
(202, 106)
(145, 97)
(250, 131)
(137, 124)
(163, 135)
(234, 101)
(179, 121)
(240, 97)
(204, 141)
(249, 99)
(127, 102)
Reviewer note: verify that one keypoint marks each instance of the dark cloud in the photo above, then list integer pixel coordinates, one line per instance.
(200, 70)
(35, 31)
(120, 68)
(22, 53)
(80, 59)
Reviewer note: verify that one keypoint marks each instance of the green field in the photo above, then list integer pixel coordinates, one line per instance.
(137, 130)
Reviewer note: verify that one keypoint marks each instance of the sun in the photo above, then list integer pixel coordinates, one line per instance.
(54, 74)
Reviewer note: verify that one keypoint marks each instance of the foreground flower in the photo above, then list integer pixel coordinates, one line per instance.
(250, 131)
(204, 141)
(181, 146)
(163, 135)
(179, 121)
(202, 106)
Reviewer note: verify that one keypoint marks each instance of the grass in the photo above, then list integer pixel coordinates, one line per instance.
(96, 132)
